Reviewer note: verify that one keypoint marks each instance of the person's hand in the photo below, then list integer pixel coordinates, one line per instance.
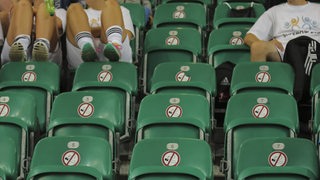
(278, 45)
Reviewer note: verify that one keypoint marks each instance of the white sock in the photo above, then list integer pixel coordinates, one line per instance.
(84, 37)
(114, 34)
(45, 41)
(24, 40)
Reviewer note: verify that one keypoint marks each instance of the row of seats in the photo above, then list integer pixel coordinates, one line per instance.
(89, 111)
(37, 119)
(262, 124)
(99, 112)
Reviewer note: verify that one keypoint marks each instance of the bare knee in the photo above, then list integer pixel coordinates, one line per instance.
(74, 7)
(24, 3)
(259, 51)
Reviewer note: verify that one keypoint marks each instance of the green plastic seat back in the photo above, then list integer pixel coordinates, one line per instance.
(205, 3)
(41, 79)
(173, 115)
(73, 111)
(248, 76)
(169, 45)
(315, 80)
(180, 15)
(227, 44)
(17, 119)
(39, 98)
(118, 78)
(278, 158)
(181, 76)
(137, 15)
(150, 159)
(257, 1)
(10, 151)
(96, 75)
(64, 176)
(314, 93)
(222, 18)
(261, 108)
(21, 107)
(161, 176)
(256, 114)
(76, 156)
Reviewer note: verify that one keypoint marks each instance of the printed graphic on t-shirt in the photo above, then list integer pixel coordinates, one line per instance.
(301, 26)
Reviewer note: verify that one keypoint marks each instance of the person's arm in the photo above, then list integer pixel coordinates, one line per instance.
(250, 38)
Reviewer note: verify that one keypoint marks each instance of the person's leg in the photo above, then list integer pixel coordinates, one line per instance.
(79, 32)
(46, 34)
(112, 30)
(262, 51)
(19, 31)
(4, 19)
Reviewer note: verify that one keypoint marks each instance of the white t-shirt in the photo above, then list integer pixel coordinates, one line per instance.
(285, 22)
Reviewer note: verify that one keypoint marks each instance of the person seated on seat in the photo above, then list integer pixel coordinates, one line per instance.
(24, 15)
(5, 7)
(270, 34)
(101, 30)
(288, 32)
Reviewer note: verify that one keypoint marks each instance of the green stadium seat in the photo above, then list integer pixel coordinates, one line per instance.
(277, 159)
(314, 123)
(180, 15)
(18, 125)
(315, 100)
(88, 113)
(173, 115)
(84, 107)
(185, 78)
(169, 45)
(117, 78)
(71, 158)
(171, 159)
(137, 15)
(227, 45)
(256, 114)
(256, 1)
(254, 76)
(205, 3)
(223, 18)
(41, 79)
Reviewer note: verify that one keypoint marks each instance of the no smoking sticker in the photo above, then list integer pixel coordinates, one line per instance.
(179, 14)
(70, 158)
(173, 111)
(172, 41)
(105, 76)
(182, 77)
(4, 110)
(263, 77)
(236, 41)
(170, 158)
(85, 110)
(260, 111)
(277, 159)
(29, 76)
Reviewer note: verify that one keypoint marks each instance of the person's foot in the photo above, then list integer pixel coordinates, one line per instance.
(88, 53)
(40, 51)
(112, 51)
(17, 53)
